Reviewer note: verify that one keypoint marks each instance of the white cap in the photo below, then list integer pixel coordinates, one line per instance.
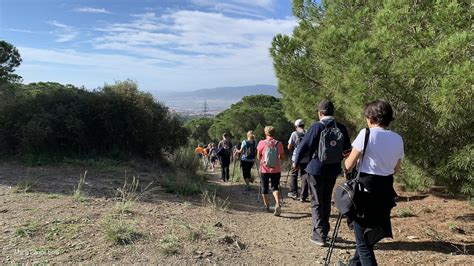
(299, 122)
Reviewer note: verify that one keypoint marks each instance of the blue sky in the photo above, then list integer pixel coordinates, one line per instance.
(162, 44)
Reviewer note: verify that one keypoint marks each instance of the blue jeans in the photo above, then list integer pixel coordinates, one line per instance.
(364, 254)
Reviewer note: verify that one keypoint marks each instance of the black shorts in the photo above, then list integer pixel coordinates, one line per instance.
(273, 178)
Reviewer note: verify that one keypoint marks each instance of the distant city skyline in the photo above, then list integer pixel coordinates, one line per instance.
(167, 45)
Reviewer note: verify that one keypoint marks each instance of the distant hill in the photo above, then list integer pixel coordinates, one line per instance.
(217, 99)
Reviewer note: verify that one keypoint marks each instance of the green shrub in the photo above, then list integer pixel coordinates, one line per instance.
(185, 160)
(116, 121)
(413, 178)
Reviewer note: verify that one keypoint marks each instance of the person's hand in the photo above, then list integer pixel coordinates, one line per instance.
(295, 166)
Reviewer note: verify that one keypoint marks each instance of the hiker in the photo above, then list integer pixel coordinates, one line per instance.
(199, 151)
(213, 156)
(295, 139)
(381, 161)
(324, 166)
(224, 153)
(248, 151)
(270, 153)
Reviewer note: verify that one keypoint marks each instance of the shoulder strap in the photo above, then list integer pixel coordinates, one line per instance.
(366, 141)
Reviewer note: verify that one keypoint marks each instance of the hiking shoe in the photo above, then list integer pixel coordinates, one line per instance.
(277, 210)
(292, 195)
(303, 200)
(318, 242)
(266, 208)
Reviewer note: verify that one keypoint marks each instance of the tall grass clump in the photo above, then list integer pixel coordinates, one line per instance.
(185, 177)
(210, 199)
(130, 193)
(119, 231)
(78, 194)
(23, 186)
(185, 160)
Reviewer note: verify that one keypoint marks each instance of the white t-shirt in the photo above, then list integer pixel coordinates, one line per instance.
(384, 149)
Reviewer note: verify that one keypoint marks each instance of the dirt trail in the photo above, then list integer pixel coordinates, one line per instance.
(440, 229)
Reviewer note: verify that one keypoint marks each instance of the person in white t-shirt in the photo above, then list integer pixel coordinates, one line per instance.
(382, 158)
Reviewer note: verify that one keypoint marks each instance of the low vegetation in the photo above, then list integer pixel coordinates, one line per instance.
(405, 213)
(169, 245)
(28, 230)
(118, 230)
(210, 199)
(23, 186)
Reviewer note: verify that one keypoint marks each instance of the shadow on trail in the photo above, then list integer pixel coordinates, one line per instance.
(295, 215)
(239, 198)
(435, 246)
(410, 198)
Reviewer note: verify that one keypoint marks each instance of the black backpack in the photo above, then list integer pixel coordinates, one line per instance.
(224, 149)
(331, 143)
(250, 149)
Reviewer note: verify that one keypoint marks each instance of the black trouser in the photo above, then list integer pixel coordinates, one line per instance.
(266, 178)
(304, 182)
(246, 169)
(225, 174)
(321, 187)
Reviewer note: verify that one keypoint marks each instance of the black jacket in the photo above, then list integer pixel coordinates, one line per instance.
(310, 143)
(376, 201)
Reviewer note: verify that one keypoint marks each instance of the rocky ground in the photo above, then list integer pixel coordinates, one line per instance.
(48, 224)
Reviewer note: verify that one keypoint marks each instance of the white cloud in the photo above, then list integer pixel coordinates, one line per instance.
(20, 30)
(92, 10)
(178, 50)
(249, 8)
(64, 33)
(266, 4)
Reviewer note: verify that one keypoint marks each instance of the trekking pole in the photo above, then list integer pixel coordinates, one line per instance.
(259, 184)
(327, 260)
(233, 169)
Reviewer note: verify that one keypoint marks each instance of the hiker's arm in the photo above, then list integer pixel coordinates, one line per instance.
(290, 142)
(347, 142)
(259, 152)
(241, 148)
(351, 161)
(281, 152)
(398, 167)
(305, 145)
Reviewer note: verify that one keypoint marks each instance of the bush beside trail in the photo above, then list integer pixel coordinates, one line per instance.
(115, 121)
